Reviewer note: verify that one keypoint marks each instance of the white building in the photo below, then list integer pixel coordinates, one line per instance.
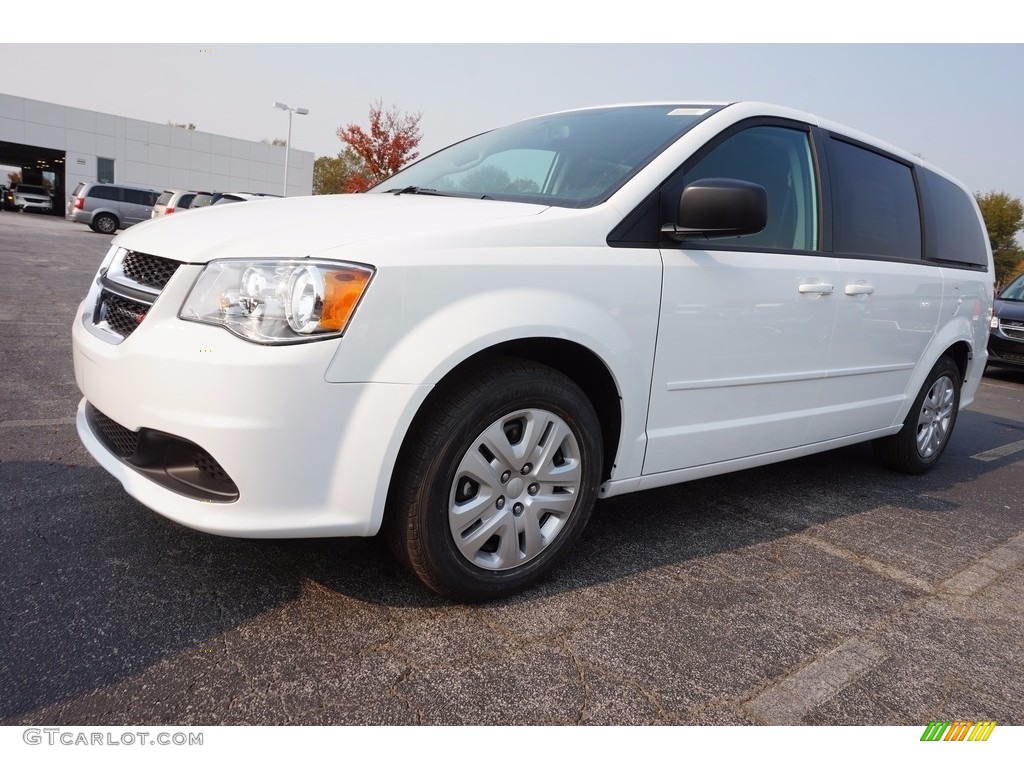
(65, 145)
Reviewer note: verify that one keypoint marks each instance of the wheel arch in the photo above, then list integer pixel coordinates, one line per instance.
(957, 340)
(961, 354)
(586, 369)
(100, 213)
(580, 364)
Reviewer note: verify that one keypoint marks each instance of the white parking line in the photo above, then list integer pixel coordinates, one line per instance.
(37, 422)
(1000, 452)
(788, 700)
(987, 569)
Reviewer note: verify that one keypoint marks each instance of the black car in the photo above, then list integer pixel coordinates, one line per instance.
(1006, 335)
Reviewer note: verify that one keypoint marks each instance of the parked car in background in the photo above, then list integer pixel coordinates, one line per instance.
(107, 208)
(172, 200)
(6, 205)
(29, 197)
(1006, 334)
(207, 199)
(241, 197)
(578, 306)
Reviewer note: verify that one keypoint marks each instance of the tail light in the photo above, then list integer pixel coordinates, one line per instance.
(168, 211)
(79, 203)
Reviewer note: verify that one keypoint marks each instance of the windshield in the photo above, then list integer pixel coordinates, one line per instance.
(573, 159)
(1014, 291)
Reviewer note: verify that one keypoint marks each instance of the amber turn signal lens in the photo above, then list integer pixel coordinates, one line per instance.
(342, 289)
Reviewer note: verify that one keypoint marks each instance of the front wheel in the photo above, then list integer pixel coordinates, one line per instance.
(496, 482)
(929, 425)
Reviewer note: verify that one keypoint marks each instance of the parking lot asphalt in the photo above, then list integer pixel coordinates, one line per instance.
(824, 590)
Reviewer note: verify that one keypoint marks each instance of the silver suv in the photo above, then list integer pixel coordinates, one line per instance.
(110, 207)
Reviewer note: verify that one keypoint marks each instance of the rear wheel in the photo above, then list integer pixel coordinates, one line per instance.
(105, 224)
(928, 427)
(497, 483)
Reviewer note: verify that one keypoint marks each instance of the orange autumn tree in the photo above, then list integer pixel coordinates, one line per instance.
(389, 144)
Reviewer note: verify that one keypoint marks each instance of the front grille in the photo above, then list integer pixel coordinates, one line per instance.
(1013, 328)
(121, 440)
(122, 315)
(151, 271)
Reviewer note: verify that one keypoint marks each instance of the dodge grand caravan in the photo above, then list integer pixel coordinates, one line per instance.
(573, 307)
(107, 208)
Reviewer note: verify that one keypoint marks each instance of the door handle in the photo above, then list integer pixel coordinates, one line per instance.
(859, 289)
(822, 289)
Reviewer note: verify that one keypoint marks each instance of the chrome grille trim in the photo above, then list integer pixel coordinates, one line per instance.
(127, 291)
(1012, 328)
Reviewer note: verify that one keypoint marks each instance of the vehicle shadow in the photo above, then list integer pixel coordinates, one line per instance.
(97, 588)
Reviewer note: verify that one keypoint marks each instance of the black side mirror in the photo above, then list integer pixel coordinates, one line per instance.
(719, 208)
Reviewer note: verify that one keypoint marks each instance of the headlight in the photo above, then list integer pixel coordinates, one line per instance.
(273, 301)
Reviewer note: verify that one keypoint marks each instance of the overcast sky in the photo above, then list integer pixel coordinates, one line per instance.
(957, 105)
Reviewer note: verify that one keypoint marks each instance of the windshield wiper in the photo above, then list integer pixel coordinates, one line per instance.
(435, 193)
(415, 191)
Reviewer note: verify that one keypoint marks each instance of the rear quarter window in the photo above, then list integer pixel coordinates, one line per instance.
(953, 232)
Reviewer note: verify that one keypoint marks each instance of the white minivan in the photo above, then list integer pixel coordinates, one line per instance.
(577, 306)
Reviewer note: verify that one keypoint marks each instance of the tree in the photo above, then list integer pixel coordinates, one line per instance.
(342, 173)
(390, 143)
(1004, 218)
(186, 126)
(275, 142)
(14, 177)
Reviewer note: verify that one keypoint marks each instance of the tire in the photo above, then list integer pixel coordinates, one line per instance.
(496, 480)
(928, 427)
(105, 224)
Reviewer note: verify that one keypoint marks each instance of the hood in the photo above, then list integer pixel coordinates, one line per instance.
(306, 226)
(1008, 310)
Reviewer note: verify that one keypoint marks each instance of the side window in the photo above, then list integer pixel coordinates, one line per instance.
(779, 159)
(104, 193)
(874, 203)
(139, 197)
(953, 232)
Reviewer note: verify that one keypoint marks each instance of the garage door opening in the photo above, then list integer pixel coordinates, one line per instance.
(36, 165)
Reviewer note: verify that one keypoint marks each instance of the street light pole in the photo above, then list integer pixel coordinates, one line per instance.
(288, 142)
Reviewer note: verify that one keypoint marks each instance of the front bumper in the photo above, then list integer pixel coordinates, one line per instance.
(32, 205)
(1004, 351)
(308, 457)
